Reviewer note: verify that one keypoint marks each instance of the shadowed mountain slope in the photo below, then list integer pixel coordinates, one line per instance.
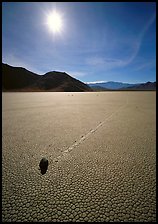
(17, 77)
(60, 81)
(20, 79)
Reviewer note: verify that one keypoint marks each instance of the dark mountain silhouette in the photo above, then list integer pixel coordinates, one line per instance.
(20, 79)
(59, 81)
(17, 77)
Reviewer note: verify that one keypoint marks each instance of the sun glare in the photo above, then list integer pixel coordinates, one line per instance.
(54, 22)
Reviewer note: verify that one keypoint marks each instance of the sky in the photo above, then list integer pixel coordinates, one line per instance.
(98, 41)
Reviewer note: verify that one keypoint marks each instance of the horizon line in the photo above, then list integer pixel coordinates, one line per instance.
(99, 82)
(91, 82)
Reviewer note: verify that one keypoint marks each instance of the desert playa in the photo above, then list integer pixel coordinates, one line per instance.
(101, 149)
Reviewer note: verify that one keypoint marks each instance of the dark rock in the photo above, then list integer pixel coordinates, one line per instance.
(43, 165)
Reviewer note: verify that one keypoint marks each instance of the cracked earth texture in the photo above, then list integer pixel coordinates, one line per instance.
(101, 149)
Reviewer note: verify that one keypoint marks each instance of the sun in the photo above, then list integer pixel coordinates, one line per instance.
(54, 22)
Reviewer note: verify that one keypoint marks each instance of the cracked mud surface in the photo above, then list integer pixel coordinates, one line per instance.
(101, 149)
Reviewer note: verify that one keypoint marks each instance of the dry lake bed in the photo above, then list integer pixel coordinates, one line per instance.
(101, 149)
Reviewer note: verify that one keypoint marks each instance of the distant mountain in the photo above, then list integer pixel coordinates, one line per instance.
(99, 88)
(123, 86)
(142, 86)
(20, 79)
(112, 85)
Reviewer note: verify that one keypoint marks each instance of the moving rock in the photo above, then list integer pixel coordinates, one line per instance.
(43, 165)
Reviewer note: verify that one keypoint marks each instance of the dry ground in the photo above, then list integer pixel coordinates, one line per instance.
(101, 149)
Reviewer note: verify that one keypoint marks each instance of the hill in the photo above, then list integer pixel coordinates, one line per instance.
(17, 77)
(20, 79)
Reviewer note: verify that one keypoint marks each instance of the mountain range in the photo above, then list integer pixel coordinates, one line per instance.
(20, 79)
(105, 86)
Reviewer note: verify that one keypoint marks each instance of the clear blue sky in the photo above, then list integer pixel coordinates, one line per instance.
(99, 41)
